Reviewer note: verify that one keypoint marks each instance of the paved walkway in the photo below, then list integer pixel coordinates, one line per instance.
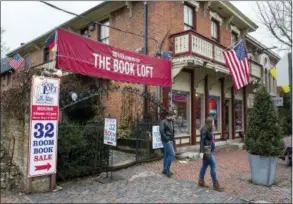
(143, 187)
(145, 183)
(233, 173)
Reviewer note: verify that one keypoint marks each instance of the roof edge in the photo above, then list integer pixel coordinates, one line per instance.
(275, 55)
(233, 8)
(61, 25)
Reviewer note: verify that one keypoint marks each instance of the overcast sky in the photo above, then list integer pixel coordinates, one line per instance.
(26, 20)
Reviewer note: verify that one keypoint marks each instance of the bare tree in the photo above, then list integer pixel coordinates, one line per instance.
(276, 16)
(4, 48)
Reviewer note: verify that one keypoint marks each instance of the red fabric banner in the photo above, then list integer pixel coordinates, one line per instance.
(85, 56)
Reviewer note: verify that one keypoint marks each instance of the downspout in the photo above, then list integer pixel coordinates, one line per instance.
(145, 30)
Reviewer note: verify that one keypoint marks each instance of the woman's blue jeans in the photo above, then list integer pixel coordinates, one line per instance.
(169, 155)
(212, 163)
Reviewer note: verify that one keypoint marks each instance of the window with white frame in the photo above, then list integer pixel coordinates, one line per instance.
(104, 32)
(234, 37)
(215, 30)
(188, 17)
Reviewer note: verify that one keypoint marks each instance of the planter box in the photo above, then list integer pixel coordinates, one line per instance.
(263, 169)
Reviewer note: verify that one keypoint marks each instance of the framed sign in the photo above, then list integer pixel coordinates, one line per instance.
(278, 101)
(110, 131)
(156, 138)
(43, 126)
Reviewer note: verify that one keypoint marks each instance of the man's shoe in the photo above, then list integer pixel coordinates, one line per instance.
(217, 187)
(164, 172)
(169, 175)
(201, 183)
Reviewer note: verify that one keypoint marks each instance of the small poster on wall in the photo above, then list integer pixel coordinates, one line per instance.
(156, 138)
(110, 131)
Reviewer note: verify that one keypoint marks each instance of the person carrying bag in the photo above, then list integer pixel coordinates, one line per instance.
(207, 148)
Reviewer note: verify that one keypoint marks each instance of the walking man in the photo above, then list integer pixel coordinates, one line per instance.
(207, 148)
(167, 136)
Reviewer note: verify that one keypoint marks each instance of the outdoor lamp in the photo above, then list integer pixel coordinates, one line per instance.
(73, 96)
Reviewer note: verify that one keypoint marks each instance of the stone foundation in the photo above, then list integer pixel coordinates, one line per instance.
(11, 177)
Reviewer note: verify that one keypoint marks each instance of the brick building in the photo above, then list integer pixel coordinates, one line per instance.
(196, 33)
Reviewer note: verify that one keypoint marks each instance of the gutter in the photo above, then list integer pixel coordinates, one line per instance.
(52, 30)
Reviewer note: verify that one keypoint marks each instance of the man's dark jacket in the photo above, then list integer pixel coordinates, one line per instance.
(167, 131)
(206, 139)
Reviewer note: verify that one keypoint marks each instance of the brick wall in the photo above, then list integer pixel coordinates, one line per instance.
(164, 18)
(203, 22)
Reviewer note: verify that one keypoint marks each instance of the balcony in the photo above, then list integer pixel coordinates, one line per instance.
(193, 45)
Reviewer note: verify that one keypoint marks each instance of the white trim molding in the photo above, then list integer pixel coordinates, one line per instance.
(193, 3)
(206, 5)
(236, 30)
(227, 22)
(214, 15)
(129, 5)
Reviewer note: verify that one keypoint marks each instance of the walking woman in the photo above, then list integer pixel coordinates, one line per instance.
(207, 148)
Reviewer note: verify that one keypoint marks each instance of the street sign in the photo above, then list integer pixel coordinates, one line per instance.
(278, 101)
(156, 138)
(110, 131)
(43, 126)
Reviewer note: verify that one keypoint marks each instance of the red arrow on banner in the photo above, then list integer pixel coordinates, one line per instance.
(42, 167)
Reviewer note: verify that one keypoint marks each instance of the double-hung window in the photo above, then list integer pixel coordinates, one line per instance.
(188, 17)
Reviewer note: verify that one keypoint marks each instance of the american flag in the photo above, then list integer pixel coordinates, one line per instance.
(238, 64)
(16, 61)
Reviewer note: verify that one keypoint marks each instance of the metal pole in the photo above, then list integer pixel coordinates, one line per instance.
(290, 75)
(145, 52)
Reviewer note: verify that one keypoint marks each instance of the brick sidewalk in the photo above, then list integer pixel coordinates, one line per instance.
(145, 184)
(233, 173)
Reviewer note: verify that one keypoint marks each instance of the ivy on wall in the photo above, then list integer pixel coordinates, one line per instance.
(16, 100)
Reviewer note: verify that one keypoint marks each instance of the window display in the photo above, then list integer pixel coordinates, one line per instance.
(214, 111)
(227, 102)
(197, 112)
(181, 108)
(238, 115)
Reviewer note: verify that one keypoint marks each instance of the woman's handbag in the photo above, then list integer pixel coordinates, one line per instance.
(206, 152)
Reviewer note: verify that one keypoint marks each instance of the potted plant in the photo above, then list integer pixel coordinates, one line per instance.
(263, 141)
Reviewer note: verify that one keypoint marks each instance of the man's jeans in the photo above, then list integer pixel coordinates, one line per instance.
(212, 163)
(169, 155)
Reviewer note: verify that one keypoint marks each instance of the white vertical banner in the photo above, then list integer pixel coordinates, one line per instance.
(156, 137)
(42, 158)
(110, 131)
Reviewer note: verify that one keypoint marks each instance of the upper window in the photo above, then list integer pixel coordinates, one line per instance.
(85, 32)
(215, 30)
(27, 61)
(104, 32)
(234, 38)
(46, 54)
(188, 18)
